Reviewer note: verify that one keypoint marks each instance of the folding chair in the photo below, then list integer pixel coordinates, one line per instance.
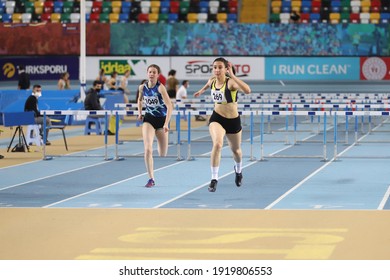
(61, 126)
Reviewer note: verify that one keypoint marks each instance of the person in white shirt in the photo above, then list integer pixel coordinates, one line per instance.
(182, 94)
(182, 91)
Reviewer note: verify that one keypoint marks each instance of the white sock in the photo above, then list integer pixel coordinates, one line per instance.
(238, 166)
(214, 172)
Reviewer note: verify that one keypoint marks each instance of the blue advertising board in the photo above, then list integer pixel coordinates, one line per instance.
(39, 68)
(312, 68)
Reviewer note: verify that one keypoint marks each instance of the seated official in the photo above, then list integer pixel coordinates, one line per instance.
(31, 105)
(92, 101)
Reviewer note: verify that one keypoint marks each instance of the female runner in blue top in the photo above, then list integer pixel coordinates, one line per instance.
(155, 98)
(225, 119)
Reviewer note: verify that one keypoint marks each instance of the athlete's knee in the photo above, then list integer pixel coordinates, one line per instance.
(217, 146)
(237, 151)
(148, 151)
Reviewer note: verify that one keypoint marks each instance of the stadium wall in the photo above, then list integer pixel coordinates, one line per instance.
(195, 68)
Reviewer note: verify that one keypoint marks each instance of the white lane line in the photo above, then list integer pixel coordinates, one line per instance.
(198, 187)
(384, 199)
(128, 179)
(110, 185)
(310, 176)
(54, 175)
(223, 176)
(113, 184)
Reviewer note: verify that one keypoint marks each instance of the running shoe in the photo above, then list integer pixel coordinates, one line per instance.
(238, 178)
(150, 183)
(213, 185)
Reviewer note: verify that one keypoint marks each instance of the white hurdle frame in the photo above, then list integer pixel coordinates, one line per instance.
(252, 114)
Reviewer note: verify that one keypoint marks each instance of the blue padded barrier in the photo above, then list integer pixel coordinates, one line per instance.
(13, 100)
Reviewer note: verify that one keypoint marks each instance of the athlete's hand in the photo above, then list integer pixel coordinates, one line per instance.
(230, 69)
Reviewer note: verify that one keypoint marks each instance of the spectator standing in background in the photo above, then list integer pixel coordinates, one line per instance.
(24, 78)
(162, 79)
(64, 82)
(102, 78)
(172, 84)
(112, 82)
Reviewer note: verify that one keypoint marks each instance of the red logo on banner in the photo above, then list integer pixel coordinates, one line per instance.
(375, 68)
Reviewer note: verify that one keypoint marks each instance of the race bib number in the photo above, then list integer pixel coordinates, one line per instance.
(151, 101)
(218, 96)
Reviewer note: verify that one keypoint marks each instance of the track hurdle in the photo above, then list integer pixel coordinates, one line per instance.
(324, 114)
(356, 116)
(358, 141)
(102, 113)
(178, 134)
(191, 156)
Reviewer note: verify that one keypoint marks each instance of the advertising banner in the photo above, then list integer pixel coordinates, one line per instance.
(136, 65)
(375, 68)
(39, 68)
(315, 68)
(200, 68)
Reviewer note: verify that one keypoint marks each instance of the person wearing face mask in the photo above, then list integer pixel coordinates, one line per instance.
(31, 105)
(92, 101)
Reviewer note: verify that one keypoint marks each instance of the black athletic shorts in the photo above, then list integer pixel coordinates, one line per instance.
(156, 122)
(231, 126)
